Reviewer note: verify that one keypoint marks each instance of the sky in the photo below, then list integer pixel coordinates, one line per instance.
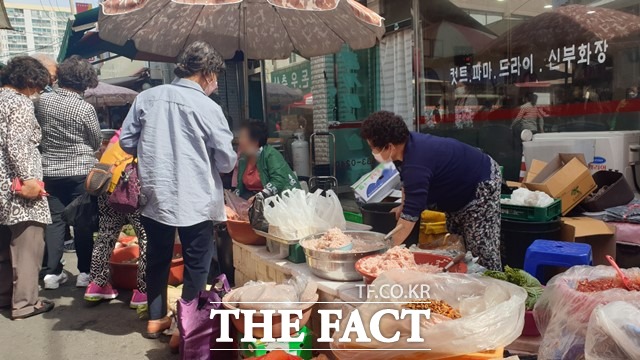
(54, 3)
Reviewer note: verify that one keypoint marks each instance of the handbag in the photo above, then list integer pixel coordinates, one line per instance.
(256, 214)
(99, 179)
(125, 198)
(198, 333)
(82, 212)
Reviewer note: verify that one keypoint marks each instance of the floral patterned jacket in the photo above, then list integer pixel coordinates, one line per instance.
(19, 158)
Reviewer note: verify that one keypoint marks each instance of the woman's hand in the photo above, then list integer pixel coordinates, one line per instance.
(31, 189)
(397, 211)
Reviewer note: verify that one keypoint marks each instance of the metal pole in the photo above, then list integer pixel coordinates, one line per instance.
(72, 7)
(263, 87)
(245, 88)
(415, 6)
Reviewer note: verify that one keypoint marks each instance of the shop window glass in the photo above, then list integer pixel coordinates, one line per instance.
(289, 100)
(528, 65)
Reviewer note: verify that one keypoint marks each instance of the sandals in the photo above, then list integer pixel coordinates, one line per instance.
(155, 328)
(45, 306)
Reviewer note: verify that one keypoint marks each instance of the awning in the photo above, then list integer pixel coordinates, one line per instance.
(4, 19)
(81, 38)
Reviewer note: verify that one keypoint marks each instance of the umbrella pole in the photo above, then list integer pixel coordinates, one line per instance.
(263, 88)
(245, 87)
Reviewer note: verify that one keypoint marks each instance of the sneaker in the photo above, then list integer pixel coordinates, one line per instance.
(83, 280)
(69, 246)
(138, 299)
(52, 282)
(98, 293)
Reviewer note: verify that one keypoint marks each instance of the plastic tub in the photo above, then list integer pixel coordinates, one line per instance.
(242, 232)
(421, 258)
(124, 275)
(517, 236)
(530, 327)
(618, 191)
(382, 221)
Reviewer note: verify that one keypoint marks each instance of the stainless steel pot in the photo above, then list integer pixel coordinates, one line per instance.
(336, 265)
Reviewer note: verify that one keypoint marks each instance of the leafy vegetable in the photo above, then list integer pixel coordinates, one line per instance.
(533, 294)
(496, 275)
(128, 230)
(521, 278)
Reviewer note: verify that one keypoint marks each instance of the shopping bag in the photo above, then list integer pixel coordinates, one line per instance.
(125, 198)
(198, 333)
(82, 213)
(256, 214)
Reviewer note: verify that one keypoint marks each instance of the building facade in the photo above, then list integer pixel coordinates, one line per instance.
(37, 29)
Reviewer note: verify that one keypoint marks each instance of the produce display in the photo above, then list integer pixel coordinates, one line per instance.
(437, 307)
(260, 295)
(236, 207)
(523, 279)
(468, 314)
(231, 214)
(398, 257)
(563, 312)
(335, 239)
(597, 285)
(332, 239)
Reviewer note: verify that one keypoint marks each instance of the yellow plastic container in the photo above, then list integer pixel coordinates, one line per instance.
(433, 227)
(429, 216)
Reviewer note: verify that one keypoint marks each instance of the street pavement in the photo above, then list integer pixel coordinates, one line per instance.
(74, 330)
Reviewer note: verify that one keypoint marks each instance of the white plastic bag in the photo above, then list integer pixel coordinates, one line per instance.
(614, 332)
(329, 212)
(562, 313)
(295, 214)
(291, 294)
(492, 316)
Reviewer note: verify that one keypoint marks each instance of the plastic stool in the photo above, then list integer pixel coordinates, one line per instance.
(555, 253)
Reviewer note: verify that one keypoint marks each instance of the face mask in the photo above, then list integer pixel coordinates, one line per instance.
(380, 159)
(212, 86)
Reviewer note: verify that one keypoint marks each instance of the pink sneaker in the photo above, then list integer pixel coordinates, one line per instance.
(138, 299)
(97, 293)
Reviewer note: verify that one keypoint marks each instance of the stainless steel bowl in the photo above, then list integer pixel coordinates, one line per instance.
(339, 266)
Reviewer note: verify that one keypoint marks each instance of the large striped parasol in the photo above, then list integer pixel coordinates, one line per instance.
(261, 29)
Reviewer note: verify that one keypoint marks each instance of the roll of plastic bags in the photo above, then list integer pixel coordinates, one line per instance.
(492, 317)
(562, 313)
(295, 214)
(614, 332)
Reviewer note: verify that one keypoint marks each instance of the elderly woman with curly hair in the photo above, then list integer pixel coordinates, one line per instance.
(71, 137)
(457, 178)
(183, 143)
(24, 212)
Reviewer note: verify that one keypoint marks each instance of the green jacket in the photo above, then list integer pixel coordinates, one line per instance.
(275, 174)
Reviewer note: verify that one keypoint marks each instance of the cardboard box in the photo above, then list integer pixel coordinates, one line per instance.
(566, 177)
(536, 167)
(259, 348)
(600, 235)
(378, 184)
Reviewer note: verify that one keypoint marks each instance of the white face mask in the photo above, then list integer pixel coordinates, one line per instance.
(212, 86)
(380, 159)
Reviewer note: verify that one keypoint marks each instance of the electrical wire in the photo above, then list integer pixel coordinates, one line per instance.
(28, 51)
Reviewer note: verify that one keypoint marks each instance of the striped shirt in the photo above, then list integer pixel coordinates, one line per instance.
(70, 134)
(529, 116)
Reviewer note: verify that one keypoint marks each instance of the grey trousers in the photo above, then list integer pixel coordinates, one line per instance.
(21, 252)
